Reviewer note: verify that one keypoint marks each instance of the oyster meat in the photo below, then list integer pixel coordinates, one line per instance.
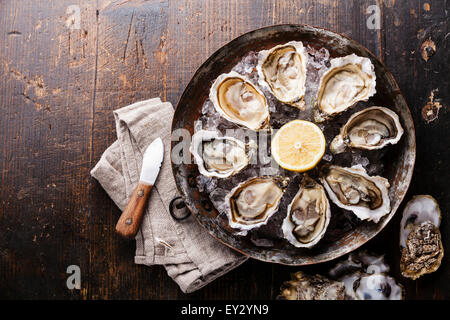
(353, 189)
(316, 287)
(308, 215)
(217, 156)
(420, 238)
(236, 99)
(252, 202)
(282, 70)
(349, 79)
(370, 129)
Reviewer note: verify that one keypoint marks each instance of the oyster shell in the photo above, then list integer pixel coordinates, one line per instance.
(236, 99)
(377, 287)
(349, 79)
(364, 276)
(282, 70)
(361, 260)
(420, 238)
(251, 203)
(218, 156)
(353, 189)
(370, 129)
(316, 287)
(308, 215)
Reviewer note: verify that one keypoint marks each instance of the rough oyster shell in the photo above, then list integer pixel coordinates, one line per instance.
(419, 209)
(316, 287)
(349, 79)
(217, 156)
(308, 215)
(420, 238)
(282, 70)
(236, 99)
(370, 129)
(251, 203)
(353, 189)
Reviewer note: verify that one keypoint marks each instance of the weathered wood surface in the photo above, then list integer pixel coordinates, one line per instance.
(59, 85)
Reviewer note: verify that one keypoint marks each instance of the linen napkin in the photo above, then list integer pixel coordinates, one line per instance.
(191, 257)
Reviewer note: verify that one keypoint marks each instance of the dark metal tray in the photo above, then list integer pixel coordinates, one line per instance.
(399, 171)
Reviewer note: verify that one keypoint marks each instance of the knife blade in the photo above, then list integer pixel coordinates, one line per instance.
(130, 220)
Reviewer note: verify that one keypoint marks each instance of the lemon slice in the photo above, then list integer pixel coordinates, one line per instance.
(298, 145)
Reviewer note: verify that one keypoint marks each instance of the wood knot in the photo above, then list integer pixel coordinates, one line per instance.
(427, 49)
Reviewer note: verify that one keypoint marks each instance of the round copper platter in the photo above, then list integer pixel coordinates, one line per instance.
(399, 172)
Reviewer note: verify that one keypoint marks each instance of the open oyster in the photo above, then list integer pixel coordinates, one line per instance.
(306, 287)
(308, 215)
(282, 70)
(353, 189)
(218, 156)
(349, 79)
(238, 100)
(371, 128)
(252, 202)
(420, 238)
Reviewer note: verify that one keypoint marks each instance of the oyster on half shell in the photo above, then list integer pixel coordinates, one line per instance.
(251, 203)
(236, 99)
(308, 215)
(282, 69)
(420, 238)
(353, 189)
(216, 156)
(349, 79)
(370, 129)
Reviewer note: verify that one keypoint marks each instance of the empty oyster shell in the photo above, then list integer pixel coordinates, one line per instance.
(377, 287)
(371, 128)
(364, 276)
(361, 260)
(306, 287)
(218, 156)
(349, 79)
(238, 100)
(253, 202)
(353, 189)
(420, 238)
(308, 215)
(282, 70)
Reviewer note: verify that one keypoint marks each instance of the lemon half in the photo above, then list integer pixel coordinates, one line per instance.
(298, 145)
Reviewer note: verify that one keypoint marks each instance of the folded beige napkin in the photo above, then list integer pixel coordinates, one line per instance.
(190, 255)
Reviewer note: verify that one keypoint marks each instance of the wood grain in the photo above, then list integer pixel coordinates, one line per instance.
(58, 87)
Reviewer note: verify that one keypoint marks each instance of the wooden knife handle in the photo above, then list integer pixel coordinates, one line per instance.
(130, 220)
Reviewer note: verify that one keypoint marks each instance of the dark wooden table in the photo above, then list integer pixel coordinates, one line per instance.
(60, 79)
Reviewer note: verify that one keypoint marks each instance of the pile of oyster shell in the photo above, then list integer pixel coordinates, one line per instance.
(362, 276)
(268, 89)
